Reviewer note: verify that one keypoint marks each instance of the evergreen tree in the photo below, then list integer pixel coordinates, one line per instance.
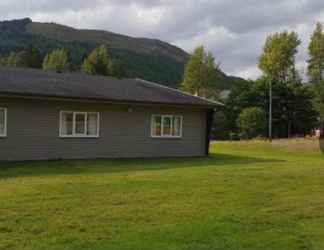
(117, 68)
(34, 58)
(3, 61)
(17, 59)
(200, 73)
(98, 62)
(28, 57)
(57, 60)
(316, 55)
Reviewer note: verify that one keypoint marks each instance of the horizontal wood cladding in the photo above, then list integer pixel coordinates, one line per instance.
(33, 132)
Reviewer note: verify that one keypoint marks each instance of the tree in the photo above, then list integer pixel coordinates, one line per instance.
(87, 67)
(316, 55)
(303, 115)
(117, 68)
(200, 73)
(98, 62)
(57, 60)
(28, 57)
(34, 58)
(3, 61)
(278, 65)
(252, 122)
(318, 89)
(278, 58)
(316, 69)
(220, 129)
(17, 59)
(293, 109)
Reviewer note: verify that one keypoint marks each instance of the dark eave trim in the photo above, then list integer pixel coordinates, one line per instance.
(98, 100)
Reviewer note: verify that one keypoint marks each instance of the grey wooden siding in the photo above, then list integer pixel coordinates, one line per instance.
(33, 132)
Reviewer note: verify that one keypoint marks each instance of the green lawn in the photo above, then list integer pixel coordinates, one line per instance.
(245, 196)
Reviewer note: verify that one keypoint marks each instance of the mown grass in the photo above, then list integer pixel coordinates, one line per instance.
(247, 195)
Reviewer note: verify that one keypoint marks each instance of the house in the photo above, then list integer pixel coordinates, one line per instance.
(48, 115)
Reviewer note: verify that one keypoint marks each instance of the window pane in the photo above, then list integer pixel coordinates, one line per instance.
(2, 122)
(67, 123)
(177, 126)
(80, 123)
(92, 128)
(167, 121)
(156, 126)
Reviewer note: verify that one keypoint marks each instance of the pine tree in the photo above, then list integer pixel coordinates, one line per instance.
(98, 62)
(57, 60)
(28, 57)
(17, 59)
(34, 58)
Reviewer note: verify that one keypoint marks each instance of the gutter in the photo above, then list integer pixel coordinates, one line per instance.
(98, 100)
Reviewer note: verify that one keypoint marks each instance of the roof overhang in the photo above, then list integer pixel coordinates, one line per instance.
(105, 101)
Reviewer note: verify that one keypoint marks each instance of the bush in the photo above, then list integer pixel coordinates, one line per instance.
(252, 122)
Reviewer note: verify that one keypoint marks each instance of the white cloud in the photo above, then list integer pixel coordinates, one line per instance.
(250, 72)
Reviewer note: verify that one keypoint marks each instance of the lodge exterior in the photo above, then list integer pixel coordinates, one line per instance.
(49, 115)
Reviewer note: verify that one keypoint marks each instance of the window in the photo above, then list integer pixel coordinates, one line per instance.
(79, 124)
(3, 122)
(177, 126)
(167, 126)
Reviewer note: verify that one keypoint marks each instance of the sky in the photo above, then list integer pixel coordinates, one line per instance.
(233, 30)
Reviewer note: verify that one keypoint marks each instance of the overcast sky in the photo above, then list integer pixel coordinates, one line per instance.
(234, 30)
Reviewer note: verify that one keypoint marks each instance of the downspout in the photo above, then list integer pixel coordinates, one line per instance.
(209, 124)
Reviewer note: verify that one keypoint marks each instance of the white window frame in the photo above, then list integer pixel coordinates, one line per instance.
(162, 127)
(74, 134)
(4, 134)
(85, 124)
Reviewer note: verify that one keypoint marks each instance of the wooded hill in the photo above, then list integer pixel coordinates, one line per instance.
(150, 59)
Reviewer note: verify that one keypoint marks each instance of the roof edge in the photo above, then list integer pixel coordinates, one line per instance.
(182, 92)
(97, 100)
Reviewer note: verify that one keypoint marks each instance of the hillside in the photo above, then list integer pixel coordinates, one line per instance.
(149, 59)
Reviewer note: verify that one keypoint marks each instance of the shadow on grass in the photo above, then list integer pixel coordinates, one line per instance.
(66, 167)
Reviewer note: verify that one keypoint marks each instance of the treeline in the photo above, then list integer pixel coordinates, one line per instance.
(98, 62)
(298, 106)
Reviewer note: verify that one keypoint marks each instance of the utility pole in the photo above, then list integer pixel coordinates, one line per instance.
(270, 110)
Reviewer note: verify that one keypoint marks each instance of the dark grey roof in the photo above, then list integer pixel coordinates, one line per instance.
(31, 82)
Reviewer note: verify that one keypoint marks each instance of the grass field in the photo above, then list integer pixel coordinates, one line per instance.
(247, 195)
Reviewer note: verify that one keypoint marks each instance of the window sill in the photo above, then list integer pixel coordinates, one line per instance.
(79, 136)
(166, 137)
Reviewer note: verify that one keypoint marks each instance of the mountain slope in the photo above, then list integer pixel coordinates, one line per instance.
(150, 59)
(115, 41)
